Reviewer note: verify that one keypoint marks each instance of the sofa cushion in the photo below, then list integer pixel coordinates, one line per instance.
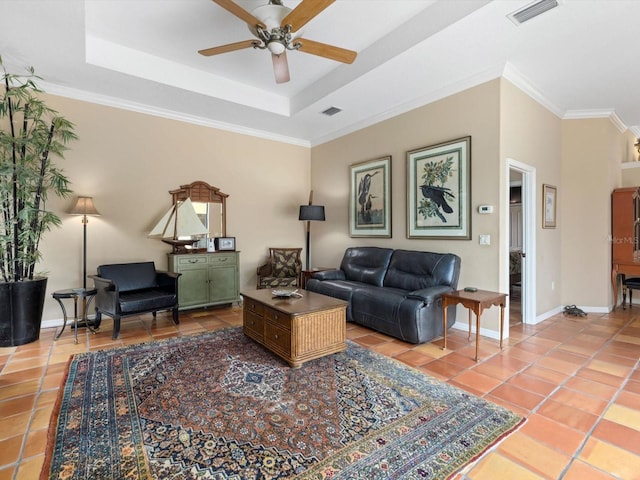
(411, 270)
(130, 276)
(366, 264)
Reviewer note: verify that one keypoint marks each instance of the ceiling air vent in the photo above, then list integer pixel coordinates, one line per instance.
(531, 11)
(329, 112)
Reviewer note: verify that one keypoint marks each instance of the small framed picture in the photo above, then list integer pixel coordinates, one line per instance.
(549, 201)
(225, 243)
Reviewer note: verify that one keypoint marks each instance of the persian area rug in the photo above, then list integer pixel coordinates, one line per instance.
(220, 406)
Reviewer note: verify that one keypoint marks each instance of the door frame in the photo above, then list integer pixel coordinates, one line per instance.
(528, 174)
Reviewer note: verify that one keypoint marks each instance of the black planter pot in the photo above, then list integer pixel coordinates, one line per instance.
(21, 305)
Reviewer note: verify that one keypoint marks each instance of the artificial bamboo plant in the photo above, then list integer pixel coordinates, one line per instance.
(31, 134)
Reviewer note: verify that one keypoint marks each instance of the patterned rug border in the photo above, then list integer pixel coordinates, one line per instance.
(312, 472)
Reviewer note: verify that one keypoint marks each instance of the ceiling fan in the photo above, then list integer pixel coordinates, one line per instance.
(278, 29)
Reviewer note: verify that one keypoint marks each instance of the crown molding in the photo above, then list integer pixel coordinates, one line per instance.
(512, 74)
(165, 113)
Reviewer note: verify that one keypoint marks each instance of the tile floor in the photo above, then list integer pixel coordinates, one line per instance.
(575, 379)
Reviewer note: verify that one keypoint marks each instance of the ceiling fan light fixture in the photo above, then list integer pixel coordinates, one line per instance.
(275, 47)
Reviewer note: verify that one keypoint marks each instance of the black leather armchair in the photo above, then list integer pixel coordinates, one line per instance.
(132, 288)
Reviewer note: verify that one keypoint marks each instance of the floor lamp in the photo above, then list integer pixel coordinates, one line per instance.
(310, 213)
(84, 206)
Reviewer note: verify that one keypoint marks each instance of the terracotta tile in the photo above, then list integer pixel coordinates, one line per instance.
(508, 405)
(518, 396)
(628, 399)
(629, 417)
(600, 390)
(413, 358)
(569, 416)
(619, 435)
(601, 377)
(14, 425)
(7, 473)
(390, 349)
(551, 376)
(532, 384)
(10, 449)
(496, 466)
(17, 405)
(552, 433)
(617, 370)
(586, 403)
(462, 361)
(477, 381)
(538, 458)
(582, 471)
(611, 459)
(442, 369)
(30, 468)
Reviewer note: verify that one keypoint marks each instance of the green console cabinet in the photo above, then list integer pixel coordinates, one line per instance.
(207, 278)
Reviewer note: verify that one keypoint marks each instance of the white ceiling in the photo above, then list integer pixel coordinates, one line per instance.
(577, 59)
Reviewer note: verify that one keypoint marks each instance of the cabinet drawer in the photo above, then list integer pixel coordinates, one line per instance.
(254, 324)
(191, 260)
(277, 338)
(223, 259)
(277, 317)
(253, 306)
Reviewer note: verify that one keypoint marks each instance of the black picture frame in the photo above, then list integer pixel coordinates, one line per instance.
(225, 243)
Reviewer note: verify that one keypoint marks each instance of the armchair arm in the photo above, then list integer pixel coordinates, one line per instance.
(167, 280)
(106, 299)
(329, 275)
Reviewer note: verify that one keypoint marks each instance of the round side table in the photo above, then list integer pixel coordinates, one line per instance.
(75, 293)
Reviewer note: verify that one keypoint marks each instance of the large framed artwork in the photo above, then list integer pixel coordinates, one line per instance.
(370, 198)
(549, 200)
(439, 191)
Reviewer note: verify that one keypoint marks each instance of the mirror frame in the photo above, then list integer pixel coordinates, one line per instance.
(203, 192)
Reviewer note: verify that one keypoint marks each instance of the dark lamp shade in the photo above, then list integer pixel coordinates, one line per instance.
(84, 206)
(311, 212)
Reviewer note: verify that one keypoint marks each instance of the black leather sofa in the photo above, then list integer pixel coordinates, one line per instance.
(396, 292)
(132, 288)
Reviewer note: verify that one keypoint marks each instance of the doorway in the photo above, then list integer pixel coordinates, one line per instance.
(521, 248)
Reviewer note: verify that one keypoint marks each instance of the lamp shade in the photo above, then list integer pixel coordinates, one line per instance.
(84, 206)
(311, 212)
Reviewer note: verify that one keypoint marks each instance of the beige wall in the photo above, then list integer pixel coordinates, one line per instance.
(591, 157)
(531, 134)
(129, 161)
(474, 112)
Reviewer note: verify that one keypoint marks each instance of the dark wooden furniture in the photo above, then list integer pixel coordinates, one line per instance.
(297, 329)
(75, 293)
(625, 234)
(475, 301)
(282, 269)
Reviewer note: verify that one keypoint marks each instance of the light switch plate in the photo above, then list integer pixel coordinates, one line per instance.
(485, 239)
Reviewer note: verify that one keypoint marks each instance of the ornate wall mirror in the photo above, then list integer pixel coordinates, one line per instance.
(210, 206)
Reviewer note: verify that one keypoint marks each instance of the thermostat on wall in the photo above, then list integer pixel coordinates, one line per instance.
(485, 209)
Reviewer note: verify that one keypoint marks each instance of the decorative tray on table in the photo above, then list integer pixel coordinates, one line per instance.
(286, 293)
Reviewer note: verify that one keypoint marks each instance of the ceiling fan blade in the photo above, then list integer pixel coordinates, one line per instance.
(305, 11)
(239, 12)
(325, 50)
(281, 67)
(207, 52)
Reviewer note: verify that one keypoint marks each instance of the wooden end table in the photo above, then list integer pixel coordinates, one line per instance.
(475, 301)
(305, 275)
(297, 329)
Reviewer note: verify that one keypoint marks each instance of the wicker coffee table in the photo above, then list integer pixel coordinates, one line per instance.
(298, 329)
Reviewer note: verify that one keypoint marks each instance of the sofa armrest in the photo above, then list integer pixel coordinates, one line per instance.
(329, 275)
(428, 295)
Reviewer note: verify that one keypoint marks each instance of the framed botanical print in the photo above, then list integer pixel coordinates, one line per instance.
(549, 200)
(439, 191)
(370, 198)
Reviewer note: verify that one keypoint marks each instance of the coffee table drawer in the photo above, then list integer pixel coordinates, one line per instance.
(279, 318)
(253, 325)
(250, 305)
(278, 339)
